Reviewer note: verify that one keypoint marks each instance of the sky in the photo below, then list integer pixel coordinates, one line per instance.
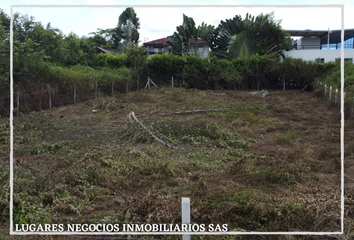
(160, 22)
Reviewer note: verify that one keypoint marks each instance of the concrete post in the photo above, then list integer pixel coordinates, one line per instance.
(186, 215)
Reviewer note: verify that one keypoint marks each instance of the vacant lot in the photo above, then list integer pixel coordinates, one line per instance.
(255, 163)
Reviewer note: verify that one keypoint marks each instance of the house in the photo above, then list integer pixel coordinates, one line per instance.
(102, 50)
(322, 44)
(161, 46)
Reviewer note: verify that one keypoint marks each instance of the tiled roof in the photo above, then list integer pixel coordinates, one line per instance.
(163, 41)
(105, 50)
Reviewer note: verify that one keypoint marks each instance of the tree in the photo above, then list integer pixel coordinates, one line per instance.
(4, 51)
(239, 37)
(126, 31)
(179, 42)
(136, 57)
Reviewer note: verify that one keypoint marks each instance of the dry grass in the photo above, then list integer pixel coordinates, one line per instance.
(268, 164)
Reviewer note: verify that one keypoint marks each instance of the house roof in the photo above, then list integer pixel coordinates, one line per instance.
(334, 36)
(105, 50)
(163, 41)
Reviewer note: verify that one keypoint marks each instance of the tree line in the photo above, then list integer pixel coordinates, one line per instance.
(244, 54)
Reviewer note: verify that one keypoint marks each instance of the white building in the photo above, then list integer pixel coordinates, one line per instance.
(323, 45)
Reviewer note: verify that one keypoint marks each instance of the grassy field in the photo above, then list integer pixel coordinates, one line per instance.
(259, 164)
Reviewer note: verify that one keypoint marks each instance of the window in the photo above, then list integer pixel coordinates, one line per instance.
(348, 60)
(320, 60)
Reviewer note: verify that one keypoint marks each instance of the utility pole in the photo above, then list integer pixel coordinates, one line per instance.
(329, 31)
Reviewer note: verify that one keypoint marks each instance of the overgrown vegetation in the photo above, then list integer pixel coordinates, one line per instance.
(51, 69)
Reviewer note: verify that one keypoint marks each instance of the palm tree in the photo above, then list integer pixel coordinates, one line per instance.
(54, 30)
(179, 42)
(128, 26)
(261, 34)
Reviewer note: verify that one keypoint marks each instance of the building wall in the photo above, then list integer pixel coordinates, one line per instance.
(308, 43)
(327, 55)
(203, 50)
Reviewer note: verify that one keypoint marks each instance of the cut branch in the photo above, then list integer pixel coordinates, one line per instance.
(132, 118)
(193, 111)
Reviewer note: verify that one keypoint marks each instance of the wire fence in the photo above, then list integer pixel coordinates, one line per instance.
(333, 96)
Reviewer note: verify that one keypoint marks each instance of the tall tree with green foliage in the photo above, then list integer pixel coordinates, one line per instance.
(239, 37)
(127, 30)
(4, 51)
(136, 57)
(180, 41)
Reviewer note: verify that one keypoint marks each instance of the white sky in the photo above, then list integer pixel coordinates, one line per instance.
(161, 22)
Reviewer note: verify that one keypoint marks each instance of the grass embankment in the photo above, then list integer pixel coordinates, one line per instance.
(265, 164)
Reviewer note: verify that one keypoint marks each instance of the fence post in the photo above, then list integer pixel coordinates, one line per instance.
(18, 102)
(186, 215)
(96, 89)
(172, 83)
(325, 88)
(336, 97)
(284, 84)
(74, 93)
(50, 97)
(330, 93)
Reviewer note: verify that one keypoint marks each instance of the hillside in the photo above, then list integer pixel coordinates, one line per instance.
(255, 163)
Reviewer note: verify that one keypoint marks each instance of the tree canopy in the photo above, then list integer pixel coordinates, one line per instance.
(243, 37)
(179, 42)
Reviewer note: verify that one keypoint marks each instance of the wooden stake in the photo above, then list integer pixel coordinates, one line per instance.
(74, 94)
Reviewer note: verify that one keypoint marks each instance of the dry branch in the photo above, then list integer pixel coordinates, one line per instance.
(133, 117)
(193, 111)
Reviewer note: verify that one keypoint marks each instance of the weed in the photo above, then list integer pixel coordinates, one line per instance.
(288, 137)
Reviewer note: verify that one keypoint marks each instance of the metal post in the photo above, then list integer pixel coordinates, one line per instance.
(284, 84)
(336, 97)
(330, 93)
(328, 39)
(172, 83)
(325, 88)
(186, 215)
